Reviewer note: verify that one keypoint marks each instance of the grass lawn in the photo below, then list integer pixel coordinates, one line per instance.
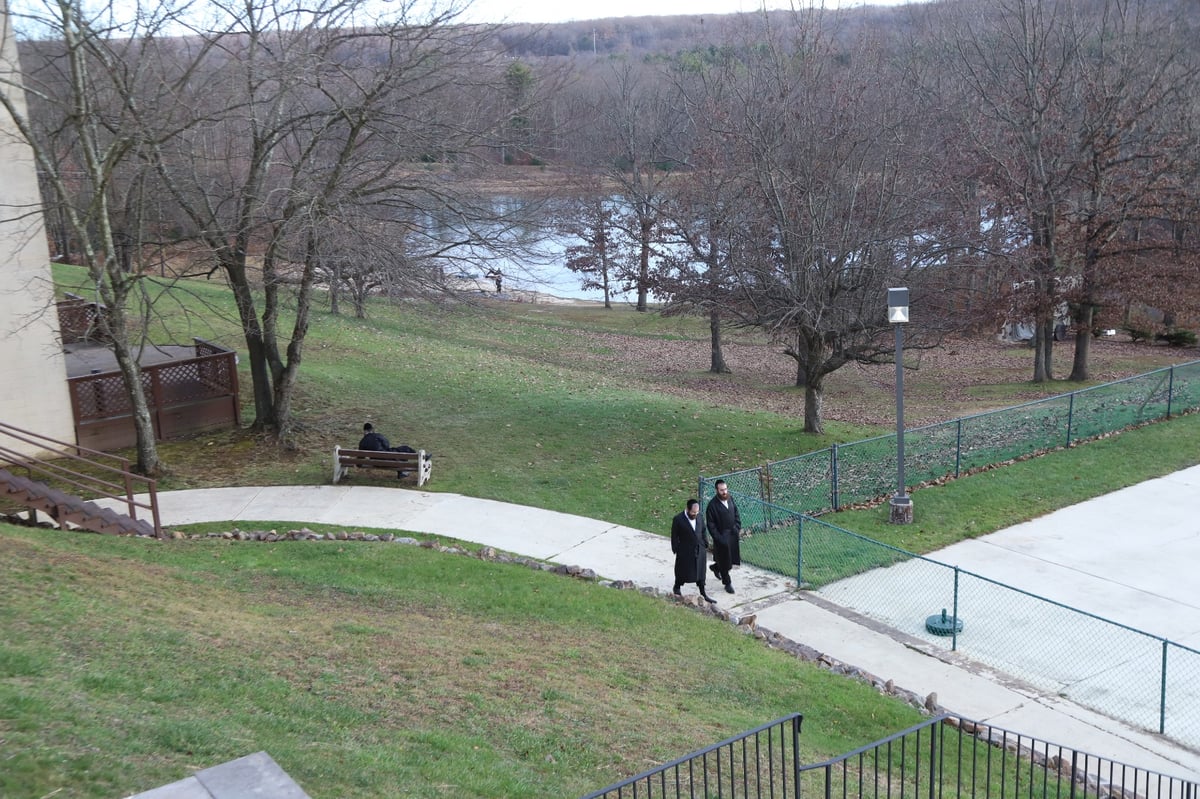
(386, 670)
(370, 670)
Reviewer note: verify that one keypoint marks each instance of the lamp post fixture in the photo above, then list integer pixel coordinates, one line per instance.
(901, 504)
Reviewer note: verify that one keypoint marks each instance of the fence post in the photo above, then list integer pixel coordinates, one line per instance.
(700, 490)
(796, 755)
(1070, 417)
(935, 782)
(958, 449)
(766, 495)
(834, 499)
(954, 618)
(799, 549)
(1162, 698)
(1170, 388)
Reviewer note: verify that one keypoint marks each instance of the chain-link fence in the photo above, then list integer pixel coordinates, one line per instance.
(861, 471)
(1143, 679)
(1128, 674)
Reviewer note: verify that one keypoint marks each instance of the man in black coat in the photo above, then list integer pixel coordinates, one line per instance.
(725, 527)
(689, 542)
(377, 442)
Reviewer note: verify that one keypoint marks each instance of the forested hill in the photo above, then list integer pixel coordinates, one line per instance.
(651, 35)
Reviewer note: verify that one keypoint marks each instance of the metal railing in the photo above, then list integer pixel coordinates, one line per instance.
(761, 763)
(945, 756)
(1138, 677)
(847, 474)
(106, 475)
(948, 756)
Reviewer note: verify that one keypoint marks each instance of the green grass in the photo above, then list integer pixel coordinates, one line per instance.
(514, 405)
(370, 670)
(377, 670)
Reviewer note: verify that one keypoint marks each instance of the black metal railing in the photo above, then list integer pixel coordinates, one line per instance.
(948, 756)
(945, 756)
(759, 764)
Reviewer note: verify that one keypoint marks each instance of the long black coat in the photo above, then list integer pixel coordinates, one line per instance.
(690, 548)
(725, 527)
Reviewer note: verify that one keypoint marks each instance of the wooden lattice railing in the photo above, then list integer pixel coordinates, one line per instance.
(185, 396)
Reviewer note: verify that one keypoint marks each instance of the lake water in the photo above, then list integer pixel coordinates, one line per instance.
(541, 266)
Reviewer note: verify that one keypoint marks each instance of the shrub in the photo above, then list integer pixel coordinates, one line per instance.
(1177, 338)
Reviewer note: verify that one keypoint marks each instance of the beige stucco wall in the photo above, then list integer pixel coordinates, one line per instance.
(33, 373)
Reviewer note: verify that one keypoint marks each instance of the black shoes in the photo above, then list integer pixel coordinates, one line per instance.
(676, 591)
(713, 568)
(728, 588)
(707, 598)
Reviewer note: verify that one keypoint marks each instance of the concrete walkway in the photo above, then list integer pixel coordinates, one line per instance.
(1139, 545)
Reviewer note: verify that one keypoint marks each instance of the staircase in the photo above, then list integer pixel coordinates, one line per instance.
(84, 472)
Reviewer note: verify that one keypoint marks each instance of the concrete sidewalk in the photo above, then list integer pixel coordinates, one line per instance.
(622, 553)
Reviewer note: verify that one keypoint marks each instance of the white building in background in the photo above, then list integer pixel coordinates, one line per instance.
(33, 372)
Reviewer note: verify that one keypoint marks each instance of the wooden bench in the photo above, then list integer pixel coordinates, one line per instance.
(418, 463)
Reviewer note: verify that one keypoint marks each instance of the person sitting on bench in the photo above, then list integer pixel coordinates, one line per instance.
(377, 442)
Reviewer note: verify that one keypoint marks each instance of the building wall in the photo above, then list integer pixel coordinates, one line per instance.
(33, 372)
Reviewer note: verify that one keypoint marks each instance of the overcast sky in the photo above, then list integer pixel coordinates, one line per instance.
(567, 10)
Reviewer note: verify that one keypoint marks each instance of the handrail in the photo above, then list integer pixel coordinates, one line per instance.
(943, 755)
(95, 459)
(950, 760)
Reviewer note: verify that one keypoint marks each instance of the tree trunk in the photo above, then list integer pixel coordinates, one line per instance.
(148, 462)
(808, 351)
(643, 280)
(256, 352)
(113, 324)
(1047, 326)
(717, 365)
(813, 397)
(285, 381)
(1083, 342)
(335, 289)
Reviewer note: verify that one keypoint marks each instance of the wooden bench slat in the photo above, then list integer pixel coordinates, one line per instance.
(345, 459)
(362, 460)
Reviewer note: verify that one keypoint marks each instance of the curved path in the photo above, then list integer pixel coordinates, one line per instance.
(622, 553)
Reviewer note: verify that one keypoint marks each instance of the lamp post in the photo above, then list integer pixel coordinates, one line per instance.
(901, 504)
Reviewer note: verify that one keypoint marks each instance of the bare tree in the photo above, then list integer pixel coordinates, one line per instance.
(304, 109)
(86, 78)
(707, 203)
(1134, 142)
(845, 202)
(1078, 115)
(636, 144)
(591, 218)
